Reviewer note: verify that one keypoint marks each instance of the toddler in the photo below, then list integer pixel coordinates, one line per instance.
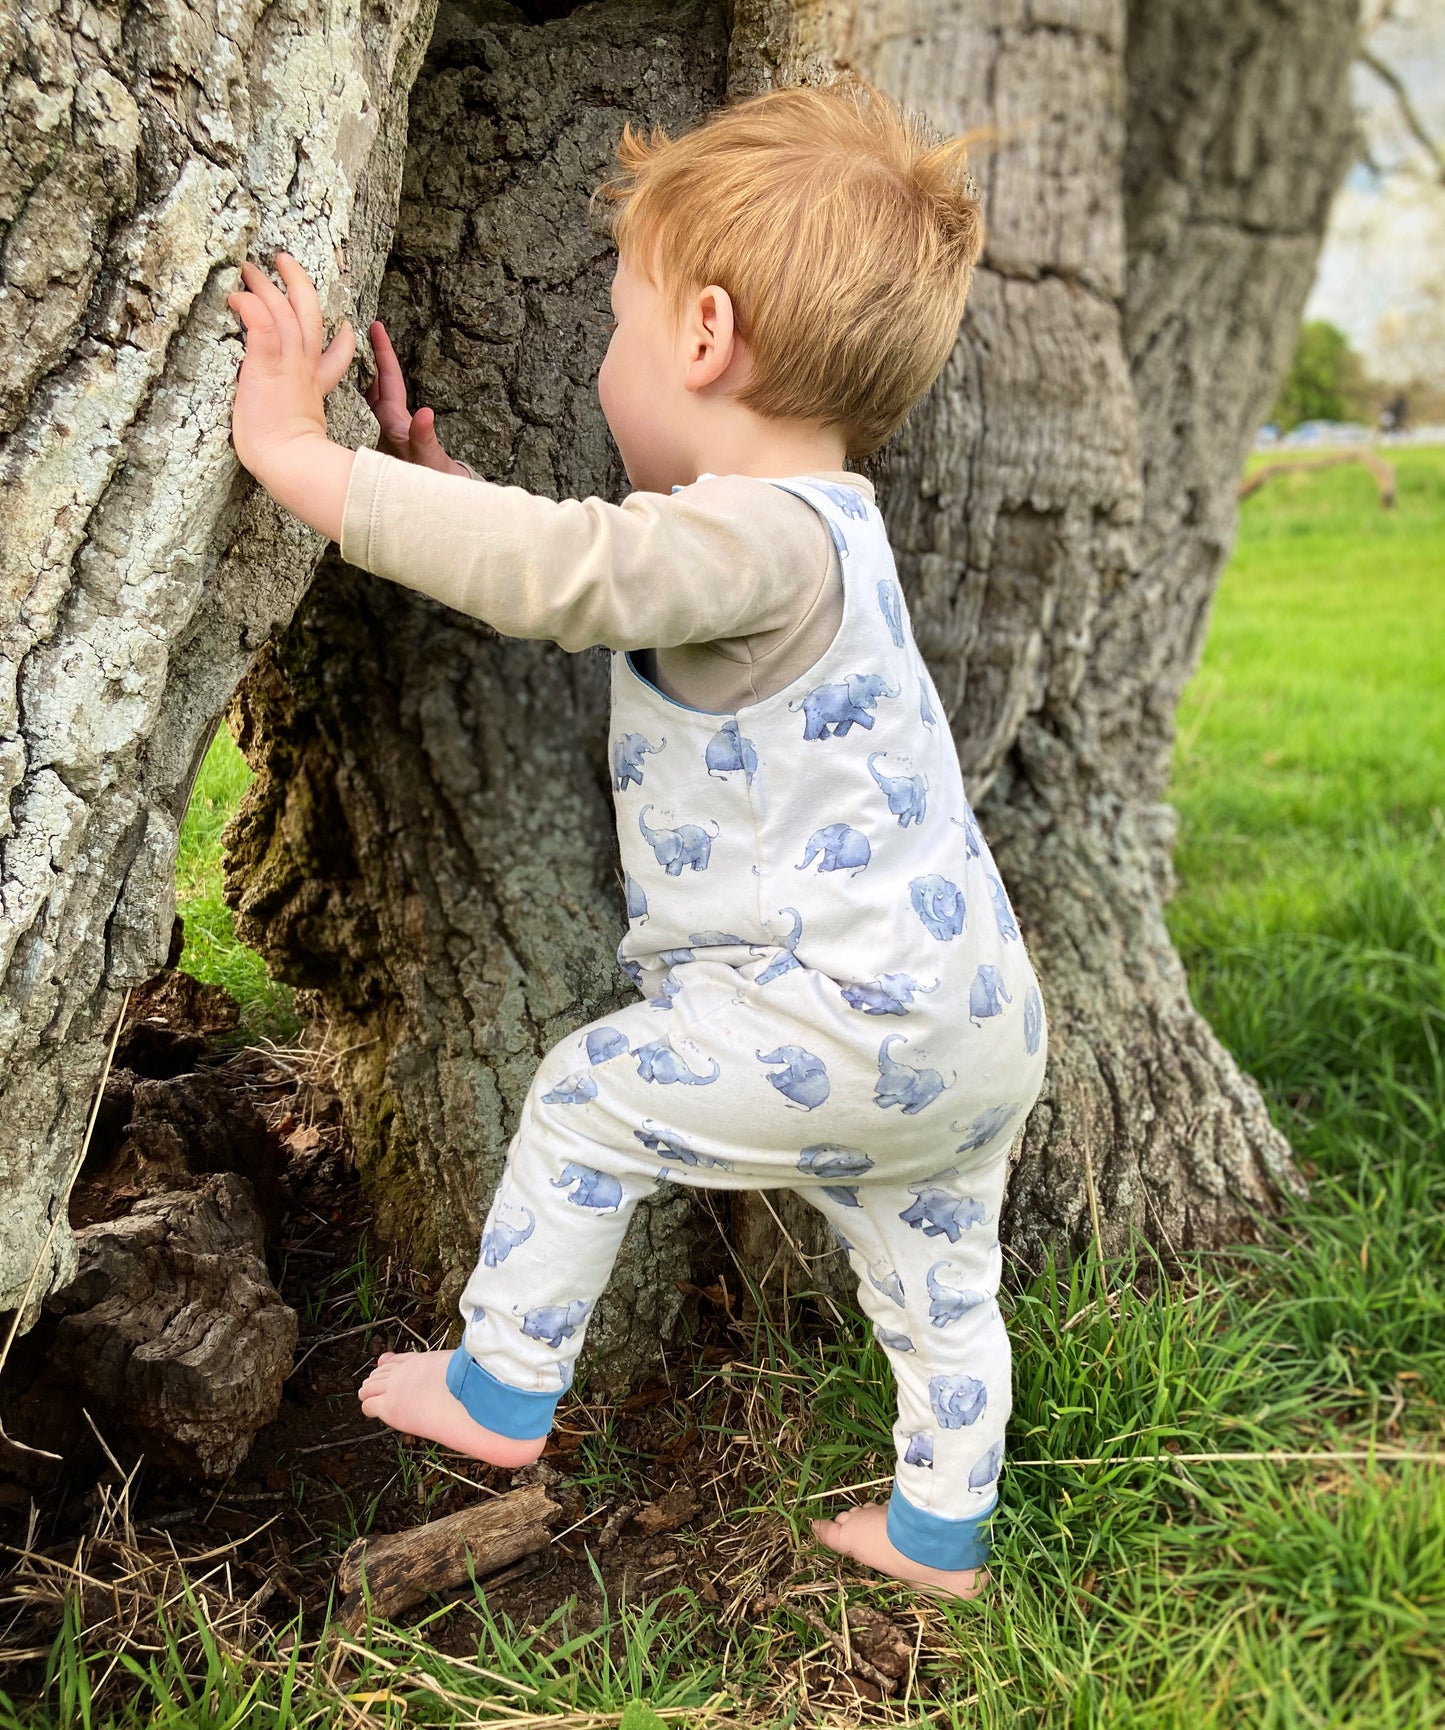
(835, 997)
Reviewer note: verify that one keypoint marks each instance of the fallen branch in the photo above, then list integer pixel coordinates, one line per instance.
(1383, 472)
(400, 1570)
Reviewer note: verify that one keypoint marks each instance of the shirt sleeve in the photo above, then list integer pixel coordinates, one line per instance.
(730, 556)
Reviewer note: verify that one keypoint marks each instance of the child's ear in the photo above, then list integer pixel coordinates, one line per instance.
(711, 338)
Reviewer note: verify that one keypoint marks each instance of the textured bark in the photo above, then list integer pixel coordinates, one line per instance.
(1060, 506)
(144, 151)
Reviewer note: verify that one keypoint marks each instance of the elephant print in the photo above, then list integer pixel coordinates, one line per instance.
(939, 904)
(890, 1286)
(1033, 1020)
(786, 960)
(848, 500)
(574, 1089)
(501, 1238)
(1002, 912)
(983, 1128)
(671, 958)
(689, 844)
(894, 1342)
(635, 896)
(672, 1146)
(890, 604)
(728, 753)
(972, 835)
(633, 970)
(987, 1468)
(846, 704)
(907, 795)
(605, 1043)
(715, 940)
(956, 1400)
(553, 1323)
(825, 1160)
(899, 1084)
(920, 1449)
(627, 754)
(986, 996)
(657, 1061)
(803, 1079)
(925, 708)
(888, 994)
(948, 1302)
(844, 1194)
(841, 849)
(598, 1190)
(936, 1213)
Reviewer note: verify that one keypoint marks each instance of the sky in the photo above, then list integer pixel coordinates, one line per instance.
(1381, 276)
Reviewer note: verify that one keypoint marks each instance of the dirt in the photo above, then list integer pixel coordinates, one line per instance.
(321, 1473)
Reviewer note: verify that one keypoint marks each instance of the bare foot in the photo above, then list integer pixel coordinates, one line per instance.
(408, 1390)
(862, 1533)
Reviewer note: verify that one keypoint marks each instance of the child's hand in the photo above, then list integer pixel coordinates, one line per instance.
(286, 376)
(412, 437)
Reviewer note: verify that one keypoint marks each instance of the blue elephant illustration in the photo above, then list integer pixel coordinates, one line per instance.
(845, 1194)
(848, 500)
(898, 1084)
(907, 795)
(553, 1323)
(605, 1043)
(842, 1241)
(633, 970)
(574, 1089)
(728, 752)
(936, 1213)
(1033, 1019)
(657, 1061)
(890, 604)
(636, 898)
(598, 1190)
(842, 849)
(891, 1286)
(840, 540)
(666, 992)
(671, 958)
(939, 904)
(986, 996)
(627, 754)
(786, 960)
(925, 708)
(987, 1467)
(973, 837)
(716, 939)
(824, 1159)
(500, 1239)
(956, 1400)
(984, 1127)
(1007, 925)
(688, 844)
(920, 1449)
(670, 1143)
(847, 704)
(894, 1342)
(803, 1078)
(949, 1302)
(888, 994)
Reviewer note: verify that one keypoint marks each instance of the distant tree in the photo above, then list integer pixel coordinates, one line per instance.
(1326, 379)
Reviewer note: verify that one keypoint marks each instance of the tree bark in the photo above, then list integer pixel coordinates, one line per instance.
(1060, 506)
(144, 152)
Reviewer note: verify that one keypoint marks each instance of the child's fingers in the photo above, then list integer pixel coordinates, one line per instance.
(261, 340)
(288, 332)
(337, 358)
(390, 382)
(305, 303)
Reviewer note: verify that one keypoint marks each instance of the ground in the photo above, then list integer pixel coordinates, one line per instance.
(1169, 1559)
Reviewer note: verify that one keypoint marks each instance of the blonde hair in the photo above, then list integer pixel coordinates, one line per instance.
(844, 233)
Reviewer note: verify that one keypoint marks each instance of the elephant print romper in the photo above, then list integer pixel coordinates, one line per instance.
(835, 1000)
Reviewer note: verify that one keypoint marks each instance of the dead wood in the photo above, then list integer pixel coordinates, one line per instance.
(403, 1568)
(1382, 472)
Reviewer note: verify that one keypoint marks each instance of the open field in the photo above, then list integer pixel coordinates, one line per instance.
(1166, 1559)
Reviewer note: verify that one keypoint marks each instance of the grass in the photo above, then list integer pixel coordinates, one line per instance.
(1154, 1573)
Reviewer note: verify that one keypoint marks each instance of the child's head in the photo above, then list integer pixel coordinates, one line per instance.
(842, 236)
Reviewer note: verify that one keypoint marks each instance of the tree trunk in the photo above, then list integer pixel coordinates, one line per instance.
(144, 151)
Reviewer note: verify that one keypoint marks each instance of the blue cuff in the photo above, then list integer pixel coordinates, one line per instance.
(934, 1540)
(513, 1412)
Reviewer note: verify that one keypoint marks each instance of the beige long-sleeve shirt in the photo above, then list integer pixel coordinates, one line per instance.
(726, 591)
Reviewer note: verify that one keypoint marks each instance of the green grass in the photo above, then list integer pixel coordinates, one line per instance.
(1146, 1590)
